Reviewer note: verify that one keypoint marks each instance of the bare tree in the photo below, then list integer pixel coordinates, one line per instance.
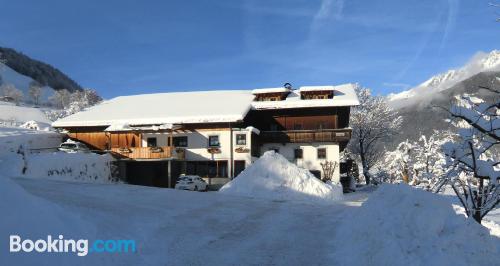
(61, 98)
(9, 90)
(329, 168)
(91, 97)
(474, 159)
(372, 121)
(35, 92)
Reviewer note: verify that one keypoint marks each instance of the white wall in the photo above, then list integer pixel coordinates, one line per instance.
(309, 159)
(198, 144)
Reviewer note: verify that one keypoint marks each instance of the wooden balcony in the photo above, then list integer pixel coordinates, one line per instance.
(307, 136)
(144, 153)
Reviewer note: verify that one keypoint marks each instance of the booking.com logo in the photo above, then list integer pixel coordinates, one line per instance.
(80, 246)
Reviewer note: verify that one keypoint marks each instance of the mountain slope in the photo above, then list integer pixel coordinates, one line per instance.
(423, 117)
(22, 82)
(44, 73)
(425, 92)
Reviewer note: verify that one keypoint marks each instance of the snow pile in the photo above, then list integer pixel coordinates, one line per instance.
(274, 177)
(400, 225)
(35, 125)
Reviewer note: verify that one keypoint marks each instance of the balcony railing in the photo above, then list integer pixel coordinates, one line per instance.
(296, 136)
(135, 153)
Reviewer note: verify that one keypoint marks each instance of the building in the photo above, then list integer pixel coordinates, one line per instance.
(216, 134)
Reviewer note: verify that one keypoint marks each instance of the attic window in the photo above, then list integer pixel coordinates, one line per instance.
(273, 97)
(313, 95)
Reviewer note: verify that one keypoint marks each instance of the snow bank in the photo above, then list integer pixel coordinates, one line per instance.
(12, 138)
(274, 177)
(400, 225)
(83, 167)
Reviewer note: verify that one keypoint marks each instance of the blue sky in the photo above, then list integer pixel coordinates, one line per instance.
(129, 47)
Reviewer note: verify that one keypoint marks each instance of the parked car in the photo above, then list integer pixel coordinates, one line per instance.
(73, 147)
(191, 182)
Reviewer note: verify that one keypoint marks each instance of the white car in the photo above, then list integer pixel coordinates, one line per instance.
(191, 182)
(73, 147)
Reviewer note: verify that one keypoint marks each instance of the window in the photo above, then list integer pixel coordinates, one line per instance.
(241, 139)
(297, 126)
(151, 142)
(321, 153)
(180, 141)
(273, 127)
(213, 141)
(298, 153)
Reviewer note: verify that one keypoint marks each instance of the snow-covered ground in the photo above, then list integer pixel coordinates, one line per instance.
(13, 116)
(174, 227)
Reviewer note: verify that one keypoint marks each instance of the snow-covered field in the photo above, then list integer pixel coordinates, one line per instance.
(12, 115)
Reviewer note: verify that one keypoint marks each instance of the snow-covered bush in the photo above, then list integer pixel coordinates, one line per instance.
(71, 103)
(421, 163)
(474, 159)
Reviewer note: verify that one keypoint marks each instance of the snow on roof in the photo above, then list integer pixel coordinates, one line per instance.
(316, 88)
(270, 90)
(343, 95)
(164, 108)
(193, 107)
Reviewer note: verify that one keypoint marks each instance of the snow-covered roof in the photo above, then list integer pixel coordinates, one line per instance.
(192, 107)
(343, 95)
(270, 90)
(164, 108)
(316, 88)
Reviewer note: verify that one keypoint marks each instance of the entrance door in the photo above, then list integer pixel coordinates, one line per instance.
(239, 166)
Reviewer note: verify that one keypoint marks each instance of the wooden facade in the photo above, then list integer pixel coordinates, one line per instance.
(122, 144)
(305, 136)
(144, 153)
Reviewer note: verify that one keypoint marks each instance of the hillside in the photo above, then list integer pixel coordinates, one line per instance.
(22, 83)
(45, 74)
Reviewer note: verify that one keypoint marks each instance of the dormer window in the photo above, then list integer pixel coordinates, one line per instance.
(316, 93)
(270, 94)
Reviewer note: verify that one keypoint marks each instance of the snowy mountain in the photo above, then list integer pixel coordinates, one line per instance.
(427, 115)
(424, 92)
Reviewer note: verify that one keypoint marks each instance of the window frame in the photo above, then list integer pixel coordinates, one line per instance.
(318, 150)
(244, 139)
(180, 146)
(155, 142)
(210, 143)
(295, 153)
